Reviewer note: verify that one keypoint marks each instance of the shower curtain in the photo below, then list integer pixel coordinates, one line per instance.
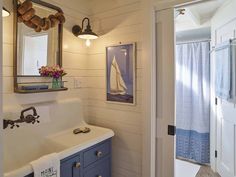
(193, 102)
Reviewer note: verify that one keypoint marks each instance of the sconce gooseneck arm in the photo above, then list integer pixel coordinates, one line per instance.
(88, 25)
(84, 32)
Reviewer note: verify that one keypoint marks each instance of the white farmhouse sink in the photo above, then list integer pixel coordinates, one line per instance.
(54, 133)
(66, 139)
(66, 143)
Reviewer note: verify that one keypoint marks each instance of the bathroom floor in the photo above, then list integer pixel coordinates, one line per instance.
(206, 172)
(185, 169)
(192, 170)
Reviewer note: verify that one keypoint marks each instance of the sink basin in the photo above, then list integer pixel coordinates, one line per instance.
(65, 143)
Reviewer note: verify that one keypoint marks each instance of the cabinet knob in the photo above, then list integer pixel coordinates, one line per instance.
(99, 154)
(77, 165)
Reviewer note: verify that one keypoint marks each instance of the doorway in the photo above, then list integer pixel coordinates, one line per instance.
(219, 22)
(192, 91)
(197, 110)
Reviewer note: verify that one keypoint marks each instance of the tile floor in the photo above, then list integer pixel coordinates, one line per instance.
(206, 172)
(187, 169)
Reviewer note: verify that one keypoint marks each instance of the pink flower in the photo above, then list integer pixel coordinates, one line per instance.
(52, 71)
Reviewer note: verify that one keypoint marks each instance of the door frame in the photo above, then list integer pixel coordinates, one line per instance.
(1, 95)
(149, 84)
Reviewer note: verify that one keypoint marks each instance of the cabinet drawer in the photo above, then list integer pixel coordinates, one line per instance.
(99, 169)
(96, 153)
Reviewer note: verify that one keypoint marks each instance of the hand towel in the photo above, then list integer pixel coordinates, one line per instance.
(223, 70)
(47, 166)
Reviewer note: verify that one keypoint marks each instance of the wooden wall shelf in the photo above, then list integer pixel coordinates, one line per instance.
(39, 81)
(40, 91)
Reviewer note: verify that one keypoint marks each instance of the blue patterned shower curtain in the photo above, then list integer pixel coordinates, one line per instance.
(193, 102)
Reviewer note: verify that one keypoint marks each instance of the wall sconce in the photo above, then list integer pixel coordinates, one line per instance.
(87, 34)
(5, 12)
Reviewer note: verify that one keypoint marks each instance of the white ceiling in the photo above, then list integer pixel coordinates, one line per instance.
(198, 15)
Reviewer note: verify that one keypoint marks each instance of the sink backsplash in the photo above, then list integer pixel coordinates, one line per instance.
(30, 139)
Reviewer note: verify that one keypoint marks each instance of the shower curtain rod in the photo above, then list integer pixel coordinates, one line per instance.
(196, 41)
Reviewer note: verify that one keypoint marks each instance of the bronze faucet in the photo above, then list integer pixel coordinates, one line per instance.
(30, 118)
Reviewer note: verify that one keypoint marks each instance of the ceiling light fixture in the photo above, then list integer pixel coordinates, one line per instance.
(5, 12)
(86, 33)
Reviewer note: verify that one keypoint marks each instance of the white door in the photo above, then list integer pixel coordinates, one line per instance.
(223, 29)
(226, 141)
(165, 34)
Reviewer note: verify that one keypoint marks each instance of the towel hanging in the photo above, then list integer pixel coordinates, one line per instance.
(48, 165)
(223, 66)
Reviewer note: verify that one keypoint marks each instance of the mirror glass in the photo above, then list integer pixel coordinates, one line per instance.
(36, 49)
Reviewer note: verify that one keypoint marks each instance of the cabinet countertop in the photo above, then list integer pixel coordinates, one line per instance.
(67, 144)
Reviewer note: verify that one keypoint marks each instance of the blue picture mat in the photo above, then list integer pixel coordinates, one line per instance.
(124, 56)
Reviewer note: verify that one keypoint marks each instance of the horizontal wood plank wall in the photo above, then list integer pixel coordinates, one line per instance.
(116, 21)
(75, 55)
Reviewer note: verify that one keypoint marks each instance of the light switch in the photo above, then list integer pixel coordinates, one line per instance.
(77, 83)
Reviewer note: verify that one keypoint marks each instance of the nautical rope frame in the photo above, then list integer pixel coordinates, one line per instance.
(27, 14)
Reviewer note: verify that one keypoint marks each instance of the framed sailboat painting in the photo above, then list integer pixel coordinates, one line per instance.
(120, 73)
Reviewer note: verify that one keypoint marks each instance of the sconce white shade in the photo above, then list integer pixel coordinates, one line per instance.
(88, 36)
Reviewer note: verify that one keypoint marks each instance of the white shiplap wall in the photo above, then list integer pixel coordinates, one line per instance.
(117, 21)
(75, 56)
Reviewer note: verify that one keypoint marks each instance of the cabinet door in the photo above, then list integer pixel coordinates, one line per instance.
(71, 167)
(99, 169)
(77, 169)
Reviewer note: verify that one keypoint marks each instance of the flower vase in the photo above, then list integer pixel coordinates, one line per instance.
(57, 83)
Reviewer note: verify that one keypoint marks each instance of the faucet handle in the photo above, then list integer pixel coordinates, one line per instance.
(30, 118)
(36, 119)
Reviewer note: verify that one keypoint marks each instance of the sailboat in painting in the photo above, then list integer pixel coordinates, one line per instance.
(117, 83)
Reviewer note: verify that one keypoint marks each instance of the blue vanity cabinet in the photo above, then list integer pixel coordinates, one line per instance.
(94, 161)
